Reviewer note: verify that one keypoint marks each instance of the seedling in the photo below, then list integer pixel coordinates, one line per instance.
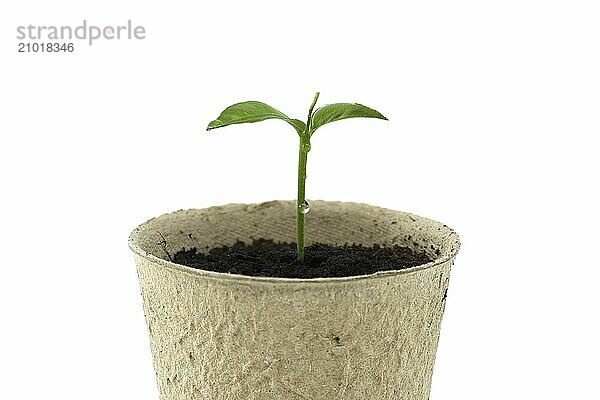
(255, 111)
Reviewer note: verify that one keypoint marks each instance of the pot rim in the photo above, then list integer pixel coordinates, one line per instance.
(452, 236)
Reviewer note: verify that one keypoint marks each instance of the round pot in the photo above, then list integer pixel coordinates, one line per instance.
(225, 336)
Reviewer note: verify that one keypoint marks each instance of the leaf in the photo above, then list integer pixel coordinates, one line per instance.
(252, 111)
(335, 112)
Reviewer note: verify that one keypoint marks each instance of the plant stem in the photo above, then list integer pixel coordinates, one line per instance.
(301, 198)
(302, 156)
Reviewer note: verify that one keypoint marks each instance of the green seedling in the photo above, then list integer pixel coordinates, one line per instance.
(255, 111)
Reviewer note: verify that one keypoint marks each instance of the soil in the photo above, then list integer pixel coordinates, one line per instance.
(269, 259)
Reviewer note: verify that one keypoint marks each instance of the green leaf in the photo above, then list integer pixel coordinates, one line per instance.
(335, 112)
(252, 111)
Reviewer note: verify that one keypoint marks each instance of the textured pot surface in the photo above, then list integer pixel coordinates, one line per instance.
(222, 336)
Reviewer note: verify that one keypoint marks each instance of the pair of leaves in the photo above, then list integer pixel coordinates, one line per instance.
(255, 111)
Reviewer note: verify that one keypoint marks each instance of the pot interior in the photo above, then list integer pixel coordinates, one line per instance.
(334, 223)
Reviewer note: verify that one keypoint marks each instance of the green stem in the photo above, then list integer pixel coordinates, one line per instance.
(302, 156)
(301, 198)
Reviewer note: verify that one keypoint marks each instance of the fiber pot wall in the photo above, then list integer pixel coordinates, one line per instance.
(221, 336)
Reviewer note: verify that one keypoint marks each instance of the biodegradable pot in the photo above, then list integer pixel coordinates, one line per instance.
(224, 336)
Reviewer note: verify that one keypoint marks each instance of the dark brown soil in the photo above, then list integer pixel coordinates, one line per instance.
(269, 259)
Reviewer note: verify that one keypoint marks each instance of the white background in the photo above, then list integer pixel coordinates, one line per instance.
(494, 120)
